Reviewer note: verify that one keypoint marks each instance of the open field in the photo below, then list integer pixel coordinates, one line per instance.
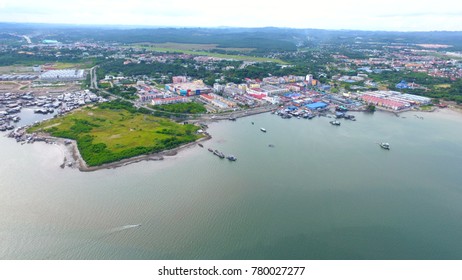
(68, 65)
(106, 135)
(13, 86)
(22, 69)
(443, 86)
(193, 47)
(205, 53)
(15, 69)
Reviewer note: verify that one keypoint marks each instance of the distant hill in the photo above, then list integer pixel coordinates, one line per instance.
(268, 38)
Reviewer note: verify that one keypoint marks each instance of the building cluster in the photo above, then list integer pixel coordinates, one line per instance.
(146, 93)
(11, 105)
(218, 101)
(18, 77)
(253, 92)
(394, 100)
(405, 85)
(169, 100)
(63, 75)
(185, 88)
(405, 57)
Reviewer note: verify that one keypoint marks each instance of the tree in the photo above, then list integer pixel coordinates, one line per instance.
(370, 108)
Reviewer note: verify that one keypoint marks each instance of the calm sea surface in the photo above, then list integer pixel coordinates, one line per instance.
(322, 192)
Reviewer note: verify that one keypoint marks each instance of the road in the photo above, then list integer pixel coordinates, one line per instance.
(93, 78)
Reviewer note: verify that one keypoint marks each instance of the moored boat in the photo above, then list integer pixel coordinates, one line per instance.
(218, 154)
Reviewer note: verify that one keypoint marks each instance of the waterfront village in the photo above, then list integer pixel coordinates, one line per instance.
(298, 96)
(288, 96)
(51, 90)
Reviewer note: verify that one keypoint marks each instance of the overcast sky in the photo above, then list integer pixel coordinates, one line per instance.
(395, 15)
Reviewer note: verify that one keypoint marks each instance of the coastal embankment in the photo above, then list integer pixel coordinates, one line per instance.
(73, 159)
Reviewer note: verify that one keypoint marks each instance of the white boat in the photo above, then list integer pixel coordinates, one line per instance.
(262, 129)
(231, 158)
(385, 146)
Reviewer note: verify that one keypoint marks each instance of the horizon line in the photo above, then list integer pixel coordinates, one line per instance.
(137, 26)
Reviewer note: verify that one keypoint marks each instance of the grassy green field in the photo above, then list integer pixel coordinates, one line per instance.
(182, 108)
(66, 65)
(427, 108)
(193, 47)
(183, 49)
(106, 135)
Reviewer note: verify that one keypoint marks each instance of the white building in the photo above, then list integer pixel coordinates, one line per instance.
(63, 75)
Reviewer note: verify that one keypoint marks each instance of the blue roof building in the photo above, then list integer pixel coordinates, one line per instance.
(317, 105)
(402, 85)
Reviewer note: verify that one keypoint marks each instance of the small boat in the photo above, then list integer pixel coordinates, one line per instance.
(252, 123)
(385, 146)
(231, 158)
(262, 129)
(334, 122)
(271, 145)
(210, 150)
(232, 119)
(218, 154)
(200, 145)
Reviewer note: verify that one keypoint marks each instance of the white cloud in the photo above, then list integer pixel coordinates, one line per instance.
(329, 14)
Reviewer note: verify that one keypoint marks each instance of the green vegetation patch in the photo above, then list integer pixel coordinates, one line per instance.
(442, 86)
(427, 108)
(207, 53)
(193, 47)
(123, 91)
(113, 131)
(182, 108)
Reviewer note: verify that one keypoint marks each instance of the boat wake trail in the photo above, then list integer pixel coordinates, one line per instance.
(119, 229)
(92, 241)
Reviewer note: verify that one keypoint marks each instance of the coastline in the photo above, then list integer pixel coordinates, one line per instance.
(73, 159)
(71, 151)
